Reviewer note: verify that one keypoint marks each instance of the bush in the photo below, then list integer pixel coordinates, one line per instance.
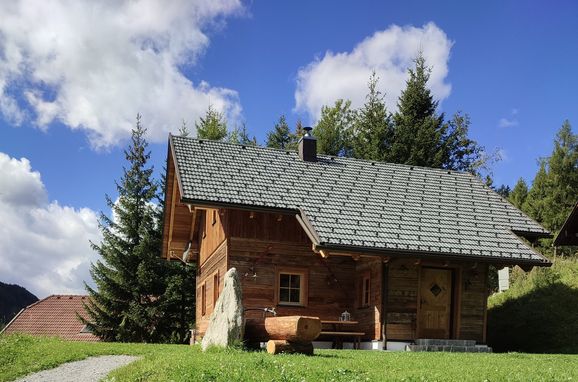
(538, 313)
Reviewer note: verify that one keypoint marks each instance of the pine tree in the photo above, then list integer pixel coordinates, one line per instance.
(519, 194)
(130, 275)
(504, 191)
(563, 176)
(213, 126)
(280, 137)
(535, 204)
(296, 136)
(461, 153)
(184, 129)
(370, 135)
(418, 129)
(332, 128)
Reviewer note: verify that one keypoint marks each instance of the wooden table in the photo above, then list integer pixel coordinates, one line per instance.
(339, 331)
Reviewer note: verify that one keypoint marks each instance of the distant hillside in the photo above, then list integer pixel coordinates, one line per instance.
(12, 299)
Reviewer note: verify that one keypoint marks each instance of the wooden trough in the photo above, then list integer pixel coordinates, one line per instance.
(292, 334)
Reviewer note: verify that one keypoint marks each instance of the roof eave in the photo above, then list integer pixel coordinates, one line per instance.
(432, 255)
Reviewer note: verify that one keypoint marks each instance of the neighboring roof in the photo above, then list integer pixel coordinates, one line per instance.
(53, 316)
(568, 235)
(360, 205)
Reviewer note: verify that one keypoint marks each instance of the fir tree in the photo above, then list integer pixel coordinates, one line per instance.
(332, 127)
(296, 136)
(212, 126)
(535, 204)
(418, 129)
(461, 153)
(370, 135)
(184, 129)
(563, 176)
(130, 276)
(504, 191)
(280, 137)
(519, 194)
(240, 136)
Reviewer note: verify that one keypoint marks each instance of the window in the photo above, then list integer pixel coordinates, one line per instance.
(216, 285)
(292, 287)
(203, 299)
(365, 290)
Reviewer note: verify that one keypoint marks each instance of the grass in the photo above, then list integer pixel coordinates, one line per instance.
(539, 312)
(20, 355)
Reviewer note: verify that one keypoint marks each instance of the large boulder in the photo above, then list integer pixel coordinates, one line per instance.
(227, 321)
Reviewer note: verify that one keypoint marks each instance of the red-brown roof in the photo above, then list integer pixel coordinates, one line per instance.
(53, 316)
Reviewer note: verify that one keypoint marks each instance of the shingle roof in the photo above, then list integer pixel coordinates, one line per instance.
(357, 203)
(53, 316)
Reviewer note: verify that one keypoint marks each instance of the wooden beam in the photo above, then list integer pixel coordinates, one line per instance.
(172, 218)
(324, 253)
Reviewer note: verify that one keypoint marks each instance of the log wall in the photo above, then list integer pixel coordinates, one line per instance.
(473, 303)
(212, 233)
(216, 263)
(403, 282)
(369, 317)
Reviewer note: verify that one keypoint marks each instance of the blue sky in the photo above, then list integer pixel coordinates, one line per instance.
(72, 78)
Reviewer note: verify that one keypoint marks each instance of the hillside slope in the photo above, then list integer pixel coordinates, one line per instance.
(538, 313)
(12, 299)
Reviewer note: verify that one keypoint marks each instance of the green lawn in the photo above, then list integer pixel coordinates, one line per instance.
(20, 355)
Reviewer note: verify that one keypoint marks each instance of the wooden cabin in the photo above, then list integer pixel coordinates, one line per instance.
(404, 249)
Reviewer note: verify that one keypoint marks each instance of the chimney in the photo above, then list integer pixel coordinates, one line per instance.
(308, 146)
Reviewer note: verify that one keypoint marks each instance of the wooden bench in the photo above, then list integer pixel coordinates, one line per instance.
(339, 336)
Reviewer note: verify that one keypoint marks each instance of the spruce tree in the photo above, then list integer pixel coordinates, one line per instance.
(280, 137)
(418, 129)
(535, 204)
(563, 176)
(184, 129)
(296, 136)
(370, 135)
(459, 151)
(130, 276)
(212, 126)
(332, 128)
(519, 194)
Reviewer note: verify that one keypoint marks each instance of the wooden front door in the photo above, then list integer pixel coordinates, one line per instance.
(435, 296)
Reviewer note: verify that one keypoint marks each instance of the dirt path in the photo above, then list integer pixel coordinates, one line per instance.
(92, 369)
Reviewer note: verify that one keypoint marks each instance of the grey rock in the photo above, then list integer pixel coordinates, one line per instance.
(227, 322)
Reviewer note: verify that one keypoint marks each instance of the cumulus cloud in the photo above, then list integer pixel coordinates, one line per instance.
(390, 53)
(44, 246)
(94, 65)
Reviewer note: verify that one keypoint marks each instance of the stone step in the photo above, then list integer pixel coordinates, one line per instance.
(449, 348)
(438, 342)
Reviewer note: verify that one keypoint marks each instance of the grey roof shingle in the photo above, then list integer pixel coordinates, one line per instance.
(354, 202)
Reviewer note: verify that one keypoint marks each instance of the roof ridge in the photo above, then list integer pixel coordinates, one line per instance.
(411, 166)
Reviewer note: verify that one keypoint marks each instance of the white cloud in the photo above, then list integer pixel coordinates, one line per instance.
(510, 121)
(390, 53)
(44, 246)
(94, 65)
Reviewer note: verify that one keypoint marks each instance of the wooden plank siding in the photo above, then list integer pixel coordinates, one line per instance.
(216, 263)
(260, 244)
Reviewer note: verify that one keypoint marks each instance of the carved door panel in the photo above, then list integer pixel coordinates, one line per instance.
(435, 303)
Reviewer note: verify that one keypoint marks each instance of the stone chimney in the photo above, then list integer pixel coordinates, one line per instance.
(308, 146)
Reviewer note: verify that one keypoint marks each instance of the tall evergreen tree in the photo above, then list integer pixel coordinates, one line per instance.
(130, 276)
(563, 176)
(504, 191)
(184, 129)
(280, 137)
(461, 153)
(419, 130)
(295, 136)
(241, 136)
(535, 204)
(370, 135)
(332, 128)
(212, 126)
(519, 194)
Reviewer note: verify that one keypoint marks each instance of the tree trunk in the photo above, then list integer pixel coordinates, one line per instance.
(282, 346)
(293, 328)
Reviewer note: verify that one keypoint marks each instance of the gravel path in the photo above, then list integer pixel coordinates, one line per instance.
(92, 369)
